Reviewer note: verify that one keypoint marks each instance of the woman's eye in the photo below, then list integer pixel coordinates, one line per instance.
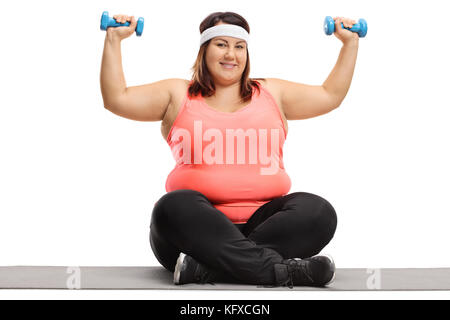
(221, 44)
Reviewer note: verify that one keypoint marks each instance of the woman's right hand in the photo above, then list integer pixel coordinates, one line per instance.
(122, 32)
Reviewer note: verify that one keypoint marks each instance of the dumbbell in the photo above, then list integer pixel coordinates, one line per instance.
(360, 27)
(106, 22)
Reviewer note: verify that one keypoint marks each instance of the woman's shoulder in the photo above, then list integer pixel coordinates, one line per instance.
(273, 86)
(180, 83)
(270, 84)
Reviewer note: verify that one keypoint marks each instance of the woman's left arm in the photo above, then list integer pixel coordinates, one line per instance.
(340, 78)
(302, 101)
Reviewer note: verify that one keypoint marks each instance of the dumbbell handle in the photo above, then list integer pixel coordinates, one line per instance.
(360, 27)
(113, 23)
(107, 21)
(356, 27)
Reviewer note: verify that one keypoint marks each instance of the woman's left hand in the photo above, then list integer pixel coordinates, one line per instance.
(343, 34)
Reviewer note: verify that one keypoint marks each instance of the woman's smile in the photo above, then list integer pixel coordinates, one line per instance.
(227, 66)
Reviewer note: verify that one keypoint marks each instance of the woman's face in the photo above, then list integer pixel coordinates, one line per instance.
(226, 50)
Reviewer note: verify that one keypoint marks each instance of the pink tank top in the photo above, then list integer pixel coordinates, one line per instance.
(234, 159)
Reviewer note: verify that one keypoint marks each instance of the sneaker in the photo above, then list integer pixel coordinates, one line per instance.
(187, 270)
(317, 271)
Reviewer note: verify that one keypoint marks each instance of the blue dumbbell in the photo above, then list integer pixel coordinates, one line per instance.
(107, 22)
(360, 28)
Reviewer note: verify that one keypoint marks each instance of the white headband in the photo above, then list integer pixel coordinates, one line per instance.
(230, 30)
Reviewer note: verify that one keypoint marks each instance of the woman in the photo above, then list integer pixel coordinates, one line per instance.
(227, 214)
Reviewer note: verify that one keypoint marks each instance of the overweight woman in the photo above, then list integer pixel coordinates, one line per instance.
(228, 215)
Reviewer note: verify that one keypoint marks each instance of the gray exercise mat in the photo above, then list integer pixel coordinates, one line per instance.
(157, 278)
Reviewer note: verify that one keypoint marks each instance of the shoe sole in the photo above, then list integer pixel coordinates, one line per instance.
(334, 268)
(177, 273)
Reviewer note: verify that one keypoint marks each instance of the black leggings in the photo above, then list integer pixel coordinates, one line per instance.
(297, 225)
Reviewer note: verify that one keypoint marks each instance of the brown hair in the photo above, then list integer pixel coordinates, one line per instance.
(201, 78)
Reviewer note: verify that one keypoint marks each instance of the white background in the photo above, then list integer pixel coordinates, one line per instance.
(78, 183)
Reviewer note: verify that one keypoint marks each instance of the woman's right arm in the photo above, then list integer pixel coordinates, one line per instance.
(142, 103)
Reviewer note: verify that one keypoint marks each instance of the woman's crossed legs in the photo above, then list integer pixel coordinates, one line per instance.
(297, 225)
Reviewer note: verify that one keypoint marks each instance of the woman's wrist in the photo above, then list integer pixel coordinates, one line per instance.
(112, 38)
(354, 42)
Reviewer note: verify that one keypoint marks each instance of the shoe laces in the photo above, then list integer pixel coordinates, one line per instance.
(297, 269)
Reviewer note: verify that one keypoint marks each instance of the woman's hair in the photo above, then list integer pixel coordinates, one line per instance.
(201, 78)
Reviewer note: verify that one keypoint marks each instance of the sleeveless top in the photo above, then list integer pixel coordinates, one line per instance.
(235, 159)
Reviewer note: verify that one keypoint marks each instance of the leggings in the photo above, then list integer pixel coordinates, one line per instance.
(296, 225)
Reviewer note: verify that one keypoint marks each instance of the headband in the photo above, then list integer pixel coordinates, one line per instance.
(230, 30)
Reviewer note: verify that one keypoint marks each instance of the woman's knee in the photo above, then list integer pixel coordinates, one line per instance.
(327, 217)
(320, 213)
(174, 203)
(315, 220)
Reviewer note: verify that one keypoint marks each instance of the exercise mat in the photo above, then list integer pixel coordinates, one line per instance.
(158, 278)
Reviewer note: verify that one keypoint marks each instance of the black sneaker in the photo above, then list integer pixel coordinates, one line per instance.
(187, 270)
(317, 271)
